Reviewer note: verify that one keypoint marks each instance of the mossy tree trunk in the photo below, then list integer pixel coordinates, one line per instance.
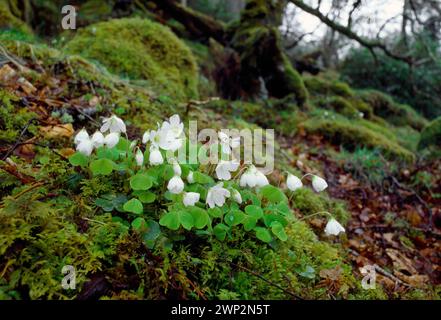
(265, 69)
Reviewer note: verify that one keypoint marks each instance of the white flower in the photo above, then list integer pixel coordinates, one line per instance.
(293, 182)
(190, 198)
(111, 139)
(113, 124)
(319, 184)
(139, 157)
(165, 139)
(236, 196)
(97, 139)
(176, 168)
(155, 157)
(174, 126)
(333, 227)
(228, 143)
(175, 185)
(216, 195)
(253, 178)
(82, 135)
(85, 147)
(224, 169)
(146, 137)
(190, 178)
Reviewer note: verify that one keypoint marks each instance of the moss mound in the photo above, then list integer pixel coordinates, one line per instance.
(431, 135)
(397, 114)
(320, 85)
(143, 50)
(355, 133)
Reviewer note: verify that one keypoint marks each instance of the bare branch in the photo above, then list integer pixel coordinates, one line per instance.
(369, 44)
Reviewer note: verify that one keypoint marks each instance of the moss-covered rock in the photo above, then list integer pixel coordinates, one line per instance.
(397, 114)
(142, 50)
(351, 133)
(431, 135)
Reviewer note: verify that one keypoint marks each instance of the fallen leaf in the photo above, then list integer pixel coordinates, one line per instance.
(6, 73)
(58, 131)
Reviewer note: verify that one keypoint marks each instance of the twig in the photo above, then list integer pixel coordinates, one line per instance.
(382, 271)
(266, 280)
(199, 103)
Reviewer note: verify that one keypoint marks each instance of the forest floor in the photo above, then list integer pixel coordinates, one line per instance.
(395, 220)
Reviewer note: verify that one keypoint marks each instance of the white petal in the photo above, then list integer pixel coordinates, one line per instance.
(85, 147)
(293, 183)
(139, 157)
(333, 227)
(237, 197)
(175, 185)
(146, 137)
(190, 198)
(81, 136)
(155, 157)
(97, 139)
(319, 184)
(111, 139)
(190, 178)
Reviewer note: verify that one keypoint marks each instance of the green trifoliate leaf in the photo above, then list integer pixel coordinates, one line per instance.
(263, 234)
(101, 167)
(133, 206)
(78, 159)
(220, 231)
(279, 231)
(141, 181)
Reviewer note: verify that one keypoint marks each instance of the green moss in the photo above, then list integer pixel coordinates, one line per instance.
(12, 117)
(141, 50)
(397, 114)
(9, 21)
(339, 105)
(319, 85)
(351, 134)
(431, 135)
(308, 202)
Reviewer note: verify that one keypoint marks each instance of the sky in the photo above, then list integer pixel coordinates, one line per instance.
(367, 21)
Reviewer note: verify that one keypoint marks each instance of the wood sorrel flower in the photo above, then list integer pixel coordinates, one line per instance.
(82, 135)
(224, 169)
(319, 184)
(190, 198)
(228, 143)
(97, 139)
(111, 139)
(333, 227)
(175, 185)
(139, 157)
(216, 195)
(85, 147)
(293, 183)
(155, 157)
(253, 178)
(236, 196)
(113, 124)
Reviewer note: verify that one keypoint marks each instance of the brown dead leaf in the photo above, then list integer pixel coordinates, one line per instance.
(27, 87)
(6, 73)
(331, 274)
(58, 131)
(66, 152)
